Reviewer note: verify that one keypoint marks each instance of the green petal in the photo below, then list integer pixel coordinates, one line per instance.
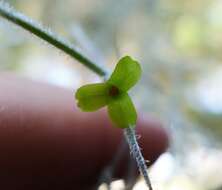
(92, 97)
(122, 111)
(126, 74)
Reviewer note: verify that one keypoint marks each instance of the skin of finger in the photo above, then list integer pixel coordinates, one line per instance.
(45, 142)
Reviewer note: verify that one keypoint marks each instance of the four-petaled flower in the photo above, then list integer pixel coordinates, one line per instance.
(113, 93)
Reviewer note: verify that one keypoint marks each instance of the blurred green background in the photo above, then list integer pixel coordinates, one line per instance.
(179, 45)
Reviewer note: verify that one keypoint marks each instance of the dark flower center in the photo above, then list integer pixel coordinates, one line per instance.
(113, 91)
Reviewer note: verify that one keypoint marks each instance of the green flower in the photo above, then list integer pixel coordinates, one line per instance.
(113, 93)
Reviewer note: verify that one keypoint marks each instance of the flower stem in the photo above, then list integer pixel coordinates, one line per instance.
(135, 150)
(47, 35)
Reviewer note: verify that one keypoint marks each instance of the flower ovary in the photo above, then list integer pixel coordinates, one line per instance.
(114, 91)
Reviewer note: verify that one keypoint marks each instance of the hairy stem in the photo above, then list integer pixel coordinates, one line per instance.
(135, 150)
(47, 35)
